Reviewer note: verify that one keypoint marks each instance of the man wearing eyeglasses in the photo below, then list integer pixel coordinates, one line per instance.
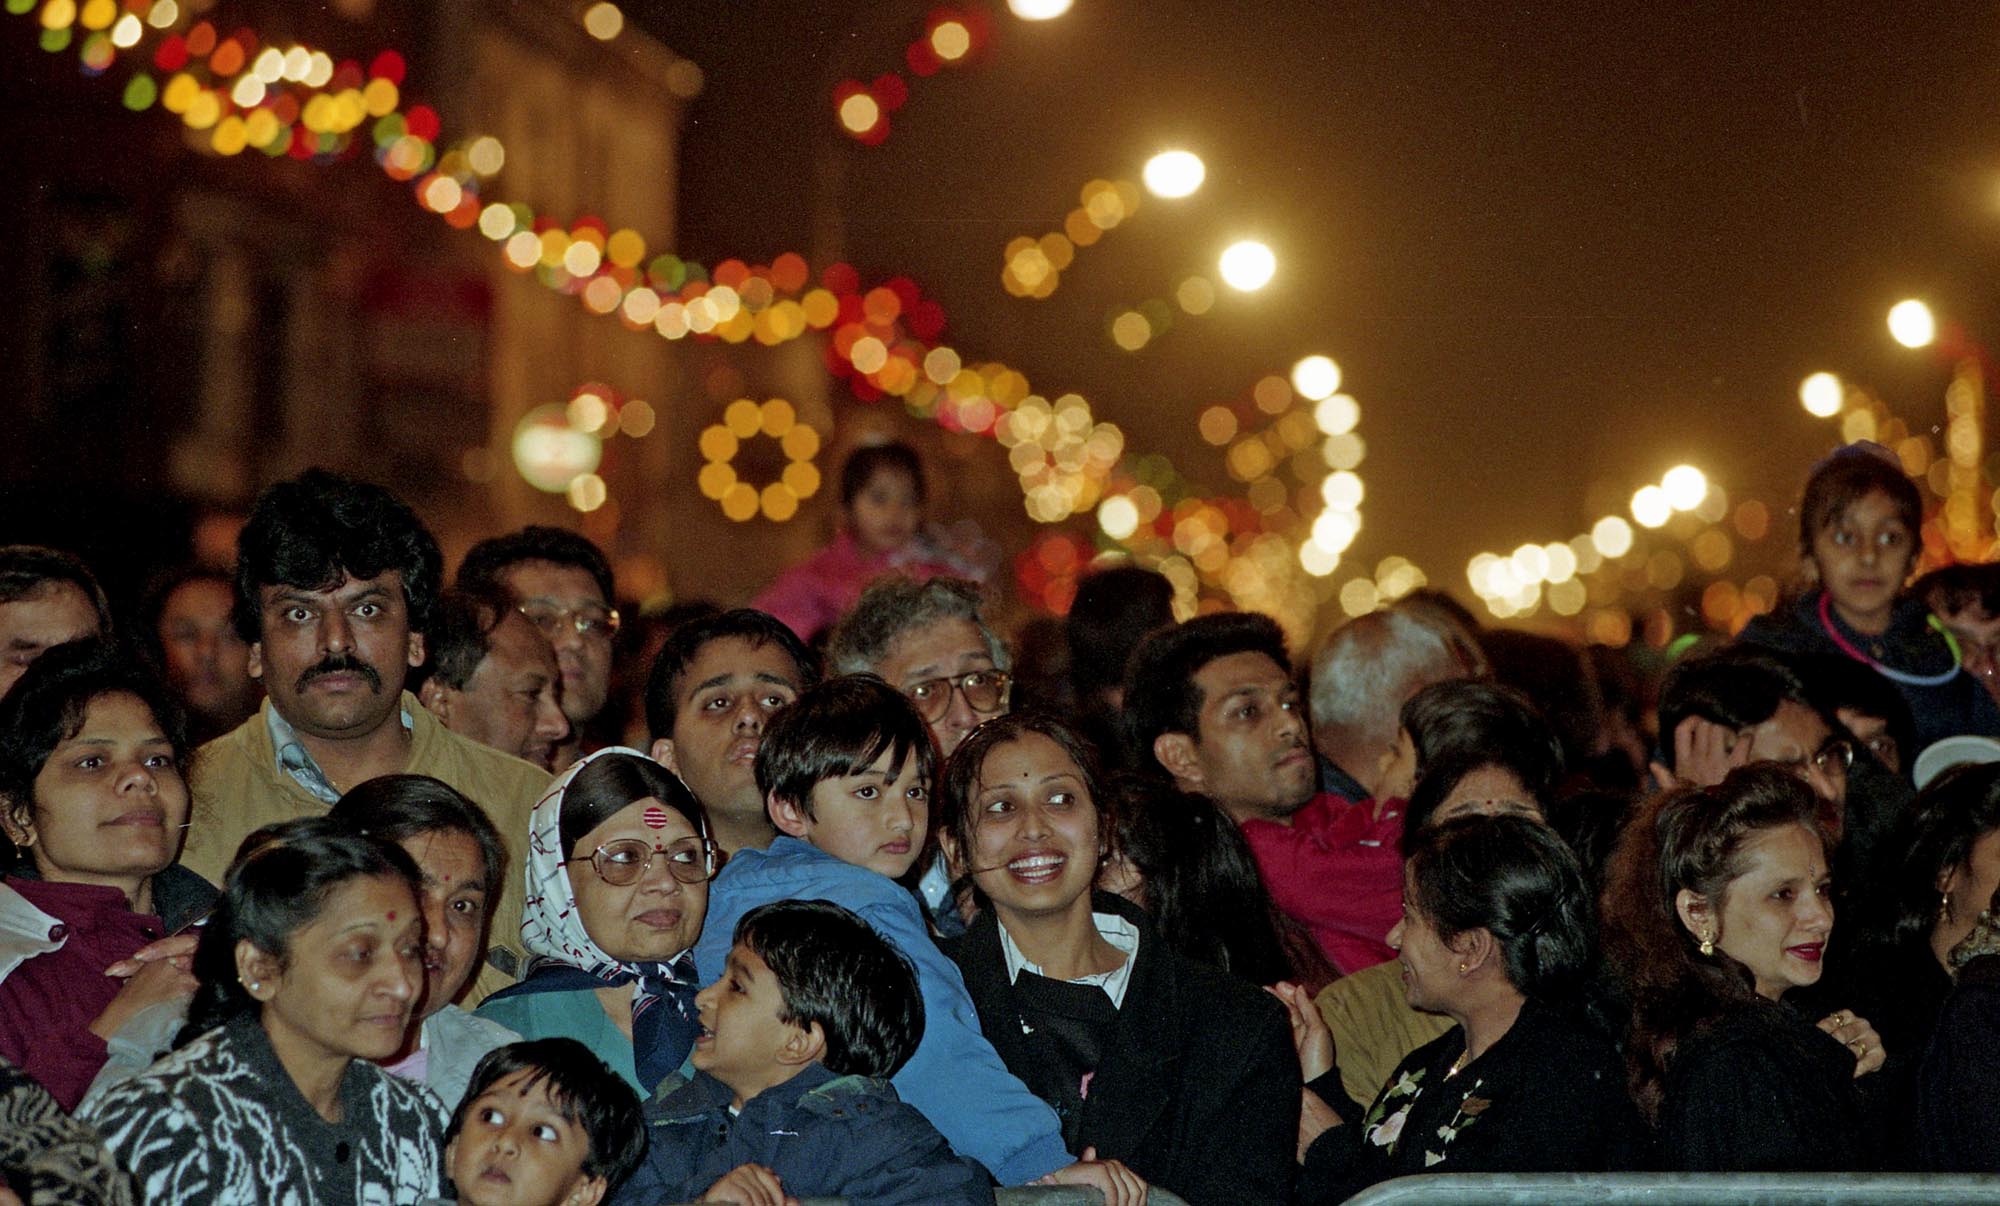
(562, 583)
(1723, 710)
(929, 641)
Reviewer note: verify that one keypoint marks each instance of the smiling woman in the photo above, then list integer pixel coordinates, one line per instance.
(1182, 1072)
(309, 969)
(91, 793)
(619, 860)
(1717, 903)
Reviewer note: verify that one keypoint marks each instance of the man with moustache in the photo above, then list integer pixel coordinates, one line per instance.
(1213, 704)
(336, 585)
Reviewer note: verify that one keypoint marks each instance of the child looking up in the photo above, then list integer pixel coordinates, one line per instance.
(813, 1012)
(881, 532)
(847, 772)
(1859, 524)
(543, 1123)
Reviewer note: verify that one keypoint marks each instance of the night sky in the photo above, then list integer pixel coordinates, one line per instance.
(1555, 248)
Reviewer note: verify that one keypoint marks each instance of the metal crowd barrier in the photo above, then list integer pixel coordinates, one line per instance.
(1038, 1195)
(1682, 1189)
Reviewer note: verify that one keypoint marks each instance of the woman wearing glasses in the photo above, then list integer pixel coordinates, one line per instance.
(619, 860)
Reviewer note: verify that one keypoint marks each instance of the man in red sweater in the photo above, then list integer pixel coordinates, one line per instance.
(1214, 704)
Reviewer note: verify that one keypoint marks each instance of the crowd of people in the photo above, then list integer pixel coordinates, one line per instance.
(329, 879)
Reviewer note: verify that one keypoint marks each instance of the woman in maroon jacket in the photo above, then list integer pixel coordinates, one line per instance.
(93, 800)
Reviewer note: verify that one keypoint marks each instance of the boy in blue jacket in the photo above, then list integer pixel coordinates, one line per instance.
(812, 1012)
(846, 773)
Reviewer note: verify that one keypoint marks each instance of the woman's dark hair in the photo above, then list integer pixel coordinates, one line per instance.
(1440, 777)
(318, 528)
(1935, 835)
(1514, 878)
(1694, 839)
(840, 728)
(865, 462)
(1466, 718)
(1847, 476)
(958, 811)
(397, 808)
(607, 786)
(833, 969)
(1201, 885)
(1114, 609)
(583, 1089)
(277, 885)
(50, 701)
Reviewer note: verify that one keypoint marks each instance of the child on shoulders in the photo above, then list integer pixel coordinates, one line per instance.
(790, 1099)
(846, 772)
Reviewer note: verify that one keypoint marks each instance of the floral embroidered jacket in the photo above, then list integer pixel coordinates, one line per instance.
(1549, 1096)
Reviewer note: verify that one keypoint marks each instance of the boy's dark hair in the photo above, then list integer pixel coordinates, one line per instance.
(49, 702)
(318, 528)
(864, 463)
(461, 636)
(397, 808)
(584, 1090)
(685, 643)
(1736, 688)
(841, 727)
(1160, 692)
(1849, 475)
(486, 561)
(833, 969)
(28, 569)
(1956, 587)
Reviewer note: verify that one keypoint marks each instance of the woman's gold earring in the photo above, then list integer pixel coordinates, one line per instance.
(1707, 945)
(1944, 907)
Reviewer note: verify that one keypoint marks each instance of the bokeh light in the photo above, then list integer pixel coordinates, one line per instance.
(1038, 10)
(604, 21)
(1315, 378)
(1247, 266)
(1612, 536)
(1174, 174)
(1685, 486)
(1651, 507)
(1912, 324)
(1822, 395)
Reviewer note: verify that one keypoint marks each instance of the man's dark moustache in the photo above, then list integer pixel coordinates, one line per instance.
(343, 665)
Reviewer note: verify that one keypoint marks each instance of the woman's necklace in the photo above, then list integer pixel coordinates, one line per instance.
(1458, 1065)
(1889, 672)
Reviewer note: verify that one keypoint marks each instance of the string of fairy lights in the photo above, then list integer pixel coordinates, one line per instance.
(1274, 548)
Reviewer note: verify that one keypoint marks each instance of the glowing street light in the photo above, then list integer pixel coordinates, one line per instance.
(1912, 324)
(1651, 507)
(1248, 266)
(1038, 10)
(1315, 378)
(1822, 395)
(1173, 174)
(1685, 486)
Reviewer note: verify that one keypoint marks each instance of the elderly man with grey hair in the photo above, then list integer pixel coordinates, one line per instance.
(1360, 680)
(929, 641)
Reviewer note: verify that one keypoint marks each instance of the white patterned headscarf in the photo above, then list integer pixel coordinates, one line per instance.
(550, 925)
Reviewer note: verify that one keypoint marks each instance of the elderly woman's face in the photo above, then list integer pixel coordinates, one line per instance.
(1490, 790)
(655, 917)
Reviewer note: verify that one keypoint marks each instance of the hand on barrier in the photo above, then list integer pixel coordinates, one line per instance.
(1119, 1184)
